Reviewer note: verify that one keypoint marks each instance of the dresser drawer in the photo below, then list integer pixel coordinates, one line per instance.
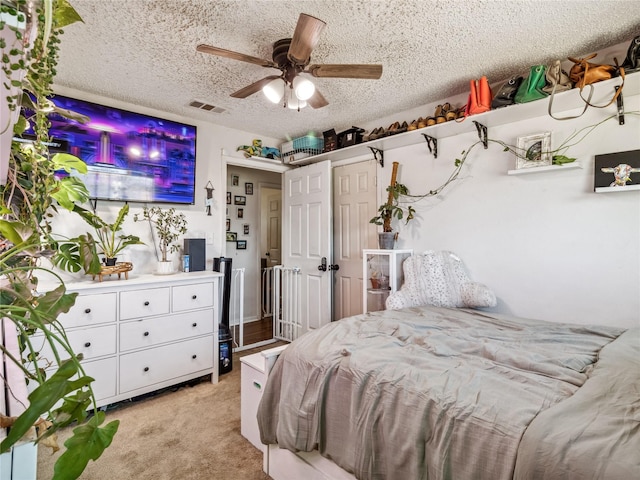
(103, 371)
(153, 331)
(91, 310)
(91, 342)
(191, 297)
(155, 365)
(144, 303)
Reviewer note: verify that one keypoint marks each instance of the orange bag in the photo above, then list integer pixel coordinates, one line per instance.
(479, 98)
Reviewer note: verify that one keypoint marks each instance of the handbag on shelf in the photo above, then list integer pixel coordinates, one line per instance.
(507, 93)
(531, 88)
(479, 97)
(557, 80)
(632, 62)
(585, 74)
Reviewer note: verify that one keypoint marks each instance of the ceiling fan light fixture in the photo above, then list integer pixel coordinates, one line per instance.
(296, 104)
(274, 90)
(303, 88)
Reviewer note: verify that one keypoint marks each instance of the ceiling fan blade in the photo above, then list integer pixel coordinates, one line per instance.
(254, 87)
(372, 72)
(317, 100)
(305, 38)
(221, 52)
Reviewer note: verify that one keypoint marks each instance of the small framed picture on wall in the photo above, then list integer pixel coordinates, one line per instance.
(228, 198)
(240, 200)
(241, 244)
(235, 180)
(534, 151)
(228, 224)
(245, 228)
(241, 213)
(232, 236)
(248, 188)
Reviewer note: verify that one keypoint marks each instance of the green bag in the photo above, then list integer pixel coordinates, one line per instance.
(531, 88)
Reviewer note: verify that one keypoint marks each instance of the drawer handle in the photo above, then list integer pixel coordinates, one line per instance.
(194, 297)
(146, 369)
(146, 304)
(87, 345)
(194, 324)
(87, 310)
(194, 356)
(146, 334)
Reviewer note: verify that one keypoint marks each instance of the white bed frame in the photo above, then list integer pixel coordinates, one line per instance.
(282, 464)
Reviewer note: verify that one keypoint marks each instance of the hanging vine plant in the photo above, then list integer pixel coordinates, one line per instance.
(30, 197)
(559, 156)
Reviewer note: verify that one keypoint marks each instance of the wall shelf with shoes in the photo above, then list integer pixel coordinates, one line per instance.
(564, 101)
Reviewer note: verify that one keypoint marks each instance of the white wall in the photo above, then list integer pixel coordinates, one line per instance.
(548, 245)
(212, 141)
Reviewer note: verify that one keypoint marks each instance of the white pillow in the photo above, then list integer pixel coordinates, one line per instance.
(439, 279)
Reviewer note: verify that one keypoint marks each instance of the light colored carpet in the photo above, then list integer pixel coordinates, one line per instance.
(191, 433)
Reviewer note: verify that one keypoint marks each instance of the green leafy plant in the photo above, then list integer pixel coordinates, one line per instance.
(392, 208)
(108, 242)
(169, 225)
(61, 392)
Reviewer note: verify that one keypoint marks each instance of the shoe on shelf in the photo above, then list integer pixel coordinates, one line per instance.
(449, 112)
(413, 126)
(403, 128)
(375, 133)
(431, 121)
(393, 128)
(439, 114)
(370, 136)
(422, 122)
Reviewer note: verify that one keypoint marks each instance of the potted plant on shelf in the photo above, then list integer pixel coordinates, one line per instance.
(392, 209)
(60, 391)
(169, 225)
(108, 242)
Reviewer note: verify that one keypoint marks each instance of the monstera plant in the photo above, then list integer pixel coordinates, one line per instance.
(31, 195)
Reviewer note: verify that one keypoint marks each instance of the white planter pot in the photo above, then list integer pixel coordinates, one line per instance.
(165, 268)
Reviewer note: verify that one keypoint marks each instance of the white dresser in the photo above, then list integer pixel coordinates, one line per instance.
(145, 333)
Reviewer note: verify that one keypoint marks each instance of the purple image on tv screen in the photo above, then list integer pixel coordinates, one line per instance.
(129, 156)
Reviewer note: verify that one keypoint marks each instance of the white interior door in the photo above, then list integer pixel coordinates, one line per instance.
(307, 239)
(354, 204)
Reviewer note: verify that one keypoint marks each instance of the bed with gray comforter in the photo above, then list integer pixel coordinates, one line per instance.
(437, 393)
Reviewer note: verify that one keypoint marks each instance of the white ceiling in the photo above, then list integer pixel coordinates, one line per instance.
(143, 52)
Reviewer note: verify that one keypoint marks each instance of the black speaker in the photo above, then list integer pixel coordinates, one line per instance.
(195, 248)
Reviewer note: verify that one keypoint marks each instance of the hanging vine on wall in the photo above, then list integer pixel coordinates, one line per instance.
(558, 155)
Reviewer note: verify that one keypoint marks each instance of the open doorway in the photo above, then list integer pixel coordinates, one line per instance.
(252, 230)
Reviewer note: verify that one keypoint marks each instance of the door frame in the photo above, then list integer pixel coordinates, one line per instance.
(272, 186)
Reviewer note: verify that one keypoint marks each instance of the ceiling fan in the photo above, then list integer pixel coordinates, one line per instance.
(292, 56)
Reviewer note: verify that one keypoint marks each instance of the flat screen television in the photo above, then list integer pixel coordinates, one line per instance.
(130, 157)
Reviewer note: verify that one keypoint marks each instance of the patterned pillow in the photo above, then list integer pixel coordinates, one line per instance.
(439, 279)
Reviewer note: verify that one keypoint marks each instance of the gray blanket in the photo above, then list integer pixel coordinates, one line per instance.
(424, 393)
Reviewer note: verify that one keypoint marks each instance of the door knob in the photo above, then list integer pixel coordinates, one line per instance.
(335, 267)
(323, 265)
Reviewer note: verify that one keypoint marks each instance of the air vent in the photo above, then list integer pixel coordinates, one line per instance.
(206, 106)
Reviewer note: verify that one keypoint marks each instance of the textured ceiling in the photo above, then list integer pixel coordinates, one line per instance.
(143, 52)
